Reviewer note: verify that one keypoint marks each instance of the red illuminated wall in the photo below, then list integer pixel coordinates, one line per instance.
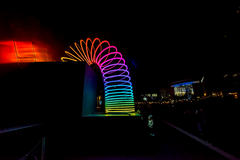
(23, 38)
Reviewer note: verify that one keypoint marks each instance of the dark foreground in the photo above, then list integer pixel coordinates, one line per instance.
(122, 140)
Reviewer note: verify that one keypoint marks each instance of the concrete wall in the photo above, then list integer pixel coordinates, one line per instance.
(89, 91)
(52, 92)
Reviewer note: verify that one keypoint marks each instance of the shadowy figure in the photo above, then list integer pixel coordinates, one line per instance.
(150, 125)
(201, 123)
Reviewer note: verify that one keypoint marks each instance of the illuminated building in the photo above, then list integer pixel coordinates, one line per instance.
(186, 89)
(155, 96)
(220, 85)
(149, 97)
(165, 93)
(207, 86)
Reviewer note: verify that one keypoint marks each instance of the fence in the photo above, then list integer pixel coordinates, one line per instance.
(23, 142)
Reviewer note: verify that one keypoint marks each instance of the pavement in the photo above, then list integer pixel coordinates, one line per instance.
(97, 142)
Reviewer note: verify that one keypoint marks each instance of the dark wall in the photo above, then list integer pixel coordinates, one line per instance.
(46, 92)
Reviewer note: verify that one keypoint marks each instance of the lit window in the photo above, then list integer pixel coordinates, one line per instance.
(196, 81)
(154, 95)
(237, 11)
(148, 95)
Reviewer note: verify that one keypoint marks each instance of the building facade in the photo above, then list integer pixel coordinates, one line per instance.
(187, 89)
(222, 85)
(213, 85)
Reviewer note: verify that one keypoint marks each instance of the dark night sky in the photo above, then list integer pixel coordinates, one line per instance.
(168, 40)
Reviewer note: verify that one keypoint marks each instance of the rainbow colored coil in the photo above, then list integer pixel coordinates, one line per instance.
(118, 88)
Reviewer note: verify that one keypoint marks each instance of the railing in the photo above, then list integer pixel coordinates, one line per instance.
(23, 142)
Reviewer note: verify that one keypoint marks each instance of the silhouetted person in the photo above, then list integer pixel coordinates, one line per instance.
(200, 121)
(150, 125)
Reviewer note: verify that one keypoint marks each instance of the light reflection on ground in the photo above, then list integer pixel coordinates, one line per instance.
(112, 114)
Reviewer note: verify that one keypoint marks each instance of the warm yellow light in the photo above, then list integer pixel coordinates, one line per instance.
(70, 55)
(198, 97)
(205, 94)
(154, 95)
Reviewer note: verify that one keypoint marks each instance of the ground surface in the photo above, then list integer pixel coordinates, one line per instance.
(110, 142)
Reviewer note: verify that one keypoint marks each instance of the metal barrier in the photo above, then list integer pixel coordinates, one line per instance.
(23, 142)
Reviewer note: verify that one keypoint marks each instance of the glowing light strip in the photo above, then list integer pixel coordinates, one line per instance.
(118, 88)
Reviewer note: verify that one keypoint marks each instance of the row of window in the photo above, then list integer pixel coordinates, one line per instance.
(181, 90)
(161, 94)
(234, 75)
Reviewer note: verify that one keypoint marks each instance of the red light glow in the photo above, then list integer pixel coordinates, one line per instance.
(18, 52)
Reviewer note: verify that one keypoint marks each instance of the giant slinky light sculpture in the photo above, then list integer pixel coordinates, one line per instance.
(115, 74)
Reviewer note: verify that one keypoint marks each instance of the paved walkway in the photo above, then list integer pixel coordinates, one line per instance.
(168, 144)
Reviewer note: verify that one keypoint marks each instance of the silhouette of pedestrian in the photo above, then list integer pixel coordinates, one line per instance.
(150, 125)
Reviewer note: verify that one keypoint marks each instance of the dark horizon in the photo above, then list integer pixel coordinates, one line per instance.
(169, 41)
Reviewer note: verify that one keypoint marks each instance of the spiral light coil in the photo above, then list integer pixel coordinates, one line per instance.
(118, 88)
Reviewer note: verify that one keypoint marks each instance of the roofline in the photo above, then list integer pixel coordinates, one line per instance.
(182, 81)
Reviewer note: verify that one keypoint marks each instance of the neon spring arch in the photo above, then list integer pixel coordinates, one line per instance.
(117, 86)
